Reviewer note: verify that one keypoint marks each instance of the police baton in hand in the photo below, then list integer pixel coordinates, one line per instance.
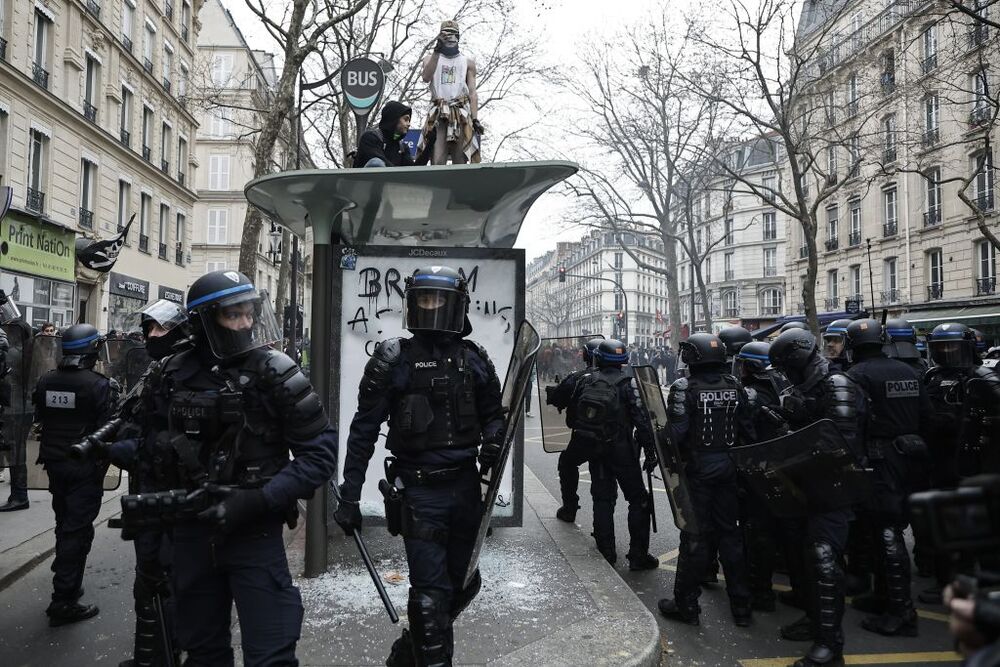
(372, 572)
(652, 504)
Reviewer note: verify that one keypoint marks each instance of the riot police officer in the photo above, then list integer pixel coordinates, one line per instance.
(70, 402)
(818, 393)
(235, 408)
(606, 415)
(709, 414)
(794, 324)
(896, 451)
(763, 385)
(734, 338)
(14, 447)
(442, 397)
(577, 452)
(982, 347)
(902, 345)
(835, 344)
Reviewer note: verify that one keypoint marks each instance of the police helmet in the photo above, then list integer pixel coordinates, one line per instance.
(611, 352)
(752, 359)
(898, 330)
(981, 345)
(436, 298)
(795, 324)
(793, 350)
(164, 324)
(734, 338)
(230, 314)
(952, 345)
(80, 344)
(702, 349)
(865, 333)
(835, 339)
(589, 348)
(8, 309)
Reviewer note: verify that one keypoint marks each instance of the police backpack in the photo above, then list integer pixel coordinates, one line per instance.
(594, 410)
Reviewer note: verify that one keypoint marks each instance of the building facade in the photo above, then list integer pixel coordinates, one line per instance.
(911, 91)
(95, 128)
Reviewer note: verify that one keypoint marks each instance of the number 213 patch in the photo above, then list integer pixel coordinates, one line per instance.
(60, 399)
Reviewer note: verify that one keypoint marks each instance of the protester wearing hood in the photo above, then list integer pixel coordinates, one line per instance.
(381, 146)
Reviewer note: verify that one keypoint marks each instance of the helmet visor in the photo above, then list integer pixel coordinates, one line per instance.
(434, 309)
(164, 313)
(746, 365)
(239, 323)
(953, 353)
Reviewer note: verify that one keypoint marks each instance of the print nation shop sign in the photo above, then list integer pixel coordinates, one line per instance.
(36, 248)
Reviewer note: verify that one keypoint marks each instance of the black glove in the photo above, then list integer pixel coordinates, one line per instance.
(348, 515)
(239, 507)
(478, 127)
(651, 461)
(489, 453)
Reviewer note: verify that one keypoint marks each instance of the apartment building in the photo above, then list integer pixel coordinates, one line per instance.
(236, 87)
(94, 128)
(741, 242)
(909, 87)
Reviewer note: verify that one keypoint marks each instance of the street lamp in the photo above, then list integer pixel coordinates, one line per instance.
(275, 246)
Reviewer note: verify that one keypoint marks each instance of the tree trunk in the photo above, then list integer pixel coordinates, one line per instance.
(673, 293)
(706, 307)
(283, 275)
(809, 287)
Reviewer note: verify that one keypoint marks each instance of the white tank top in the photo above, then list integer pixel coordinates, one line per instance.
(449, 78)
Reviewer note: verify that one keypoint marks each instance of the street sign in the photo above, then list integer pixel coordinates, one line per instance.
(362, 81)
(852, 306)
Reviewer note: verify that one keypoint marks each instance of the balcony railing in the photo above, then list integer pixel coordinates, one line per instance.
(729, 275)
(770, 310)
(164, 166)
(931, 136)
(147, 65)
(184, 33)
(34, 200)
(125, 137)
(978, 35)
(144, 243)
(40, 75)
(831, 304)
(935, 291)
(832, 244)
(932, 217)
(986, 286)
(928, 64)
(888, 81)
(89, 111)
(86, 219)
(889, 296)
(889, 229)
(853, 239)
(163, 250)
(889, 155)
(179, 256)
(984, 201)
(979, 115)
(803, 252)
(127, 43)
(94, 9)
(180, 177)
(3, 49)
(146, 152)
(166, 84)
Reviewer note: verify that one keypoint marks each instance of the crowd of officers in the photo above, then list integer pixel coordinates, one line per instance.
(912, 425)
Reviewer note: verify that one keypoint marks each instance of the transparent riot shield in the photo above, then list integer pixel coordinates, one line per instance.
(807, 471)
(558, 358)
(137, 361)
(671, 464)
(515, 384)
(114, 360)
(16, 411)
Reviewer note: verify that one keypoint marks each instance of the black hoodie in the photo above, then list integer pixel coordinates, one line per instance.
(381, 142)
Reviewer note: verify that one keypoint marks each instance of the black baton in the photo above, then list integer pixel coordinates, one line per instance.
(363, 550)
(652, 504)
(161, 621)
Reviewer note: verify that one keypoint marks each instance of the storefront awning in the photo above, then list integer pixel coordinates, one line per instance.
(969, 315)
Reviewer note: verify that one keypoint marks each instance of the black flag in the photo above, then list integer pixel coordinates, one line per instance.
(101, 255)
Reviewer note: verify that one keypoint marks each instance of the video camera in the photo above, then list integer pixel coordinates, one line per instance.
(963, 521)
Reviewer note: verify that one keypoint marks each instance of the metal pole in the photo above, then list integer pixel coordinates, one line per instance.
(691, 272)
(316, 538)
(620, 288)
(871, 276)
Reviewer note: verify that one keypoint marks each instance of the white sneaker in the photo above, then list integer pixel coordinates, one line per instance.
(527, 414)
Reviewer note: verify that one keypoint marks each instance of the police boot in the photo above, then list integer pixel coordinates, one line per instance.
(646, 561)
(401, 653)
(428, 612)
(802, 630)
(821, 655)
(900, 618)
(567, 513)
(608, 550)
(685, 613)
(64, 613)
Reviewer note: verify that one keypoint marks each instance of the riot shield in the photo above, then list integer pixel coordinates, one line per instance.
(808, 471)
(671, 464)
(515, 384)
(16, 414)
(114, 360)
(557, 358)
(137, 361)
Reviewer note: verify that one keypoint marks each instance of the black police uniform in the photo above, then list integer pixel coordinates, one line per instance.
(709, 414)
(817, 543)
(614, 459)
(441, 395)
(71, 402)
(897, 453)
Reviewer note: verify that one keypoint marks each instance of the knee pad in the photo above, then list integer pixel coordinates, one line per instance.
(893, 545)
(429, 623)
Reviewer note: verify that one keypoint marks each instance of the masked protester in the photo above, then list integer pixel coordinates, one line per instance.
(453, 117)
(70, 402)
(441, 395)
(235, 409)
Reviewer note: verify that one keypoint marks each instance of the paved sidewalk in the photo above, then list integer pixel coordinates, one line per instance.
(548, 598)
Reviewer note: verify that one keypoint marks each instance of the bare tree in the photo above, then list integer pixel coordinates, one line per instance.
(553, 307)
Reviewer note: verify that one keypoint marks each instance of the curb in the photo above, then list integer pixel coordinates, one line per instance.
(622, 620)
(21, 559)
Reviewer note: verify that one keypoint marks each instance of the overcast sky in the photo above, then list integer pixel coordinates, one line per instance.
(565, 24)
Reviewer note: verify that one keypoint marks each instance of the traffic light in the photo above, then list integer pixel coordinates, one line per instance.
(562, 274)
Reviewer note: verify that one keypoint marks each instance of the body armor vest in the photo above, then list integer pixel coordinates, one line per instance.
(67, 408)
(595, 410)
(713, 420)
(437, 408)
(894, 395)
